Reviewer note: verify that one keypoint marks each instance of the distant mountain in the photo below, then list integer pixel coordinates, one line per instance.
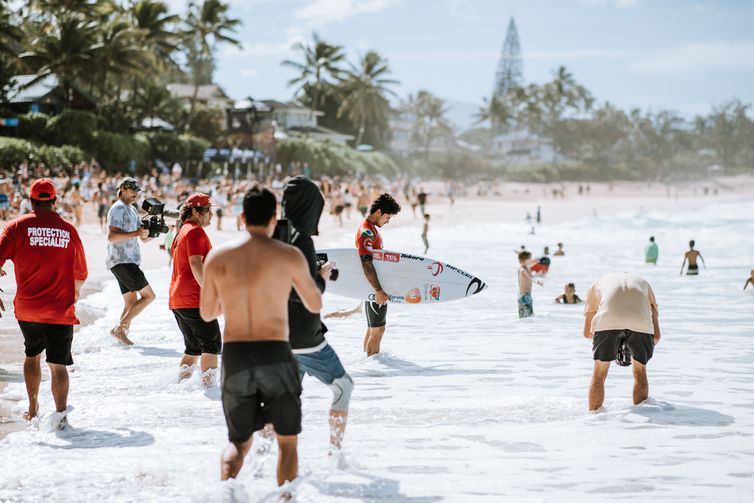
(461, 114)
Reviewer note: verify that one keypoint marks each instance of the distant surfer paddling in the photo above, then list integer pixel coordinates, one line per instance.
(50, 268)
(368, 239)
(620, 315)
(249, 281)
(691, 256)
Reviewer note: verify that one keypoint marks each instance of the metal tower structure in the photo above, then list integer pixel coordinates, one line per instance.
(510, 68)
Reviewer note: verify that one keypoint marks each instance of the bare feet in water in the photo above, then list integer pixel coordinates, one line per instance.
(119, 332)
(32, 412)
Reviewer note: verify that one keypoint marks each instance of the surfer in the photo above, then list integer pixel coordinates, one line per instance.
(620, 310)
(525, 278)
(124, 257)
(190, 249)
(651, 252)
(303, 204)
(425, 230)
(569, 296)
(749, 280)
(691, 256)
(368, 239)
(249, 281)
(542, 264)
(50, 268)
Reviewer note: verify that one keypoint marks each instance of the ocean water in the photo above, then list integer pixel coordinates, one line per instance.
(466, 402)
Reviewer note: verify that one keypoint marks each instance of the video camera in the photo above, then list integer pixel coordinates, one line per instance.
(155, 219)
(286, 233)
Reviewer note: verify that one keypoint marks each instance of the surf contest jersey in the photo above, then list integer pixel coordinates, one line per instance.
(367, 240)
(48, 257)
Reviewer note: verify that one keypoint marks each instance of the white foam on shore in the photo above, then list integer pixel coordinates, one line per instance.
(467, 403)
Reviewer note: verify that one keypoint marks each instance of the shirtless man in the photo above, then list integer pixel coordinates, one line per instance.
(525, 278)
(249, 281)
(620, 310)
(76, 201)
(691, 256)
(5, 191)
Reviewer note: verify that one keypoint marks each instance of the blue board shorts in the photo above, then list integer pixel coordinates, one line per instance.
(323, 364)
(525, 305)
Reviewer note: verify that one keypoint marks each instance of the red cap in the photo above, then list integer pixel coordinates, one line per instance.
(42, 189)
(198, 200)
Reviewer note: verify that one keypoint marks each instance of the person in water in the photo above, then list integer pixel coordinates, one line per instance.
(691, 256)
(569, 296)
(525, 278)
(249, 281)
(651, 252)
(542, 264)
(749, 280)
(425, 231)
(620, 310)
(559, 252)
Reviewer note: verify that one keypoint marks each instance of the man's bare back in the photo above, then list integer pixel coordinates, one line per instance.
(249, 282)
(691, 256)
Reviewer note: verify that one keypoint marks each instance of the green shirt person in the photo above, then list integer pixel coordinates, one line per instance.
(651, 252)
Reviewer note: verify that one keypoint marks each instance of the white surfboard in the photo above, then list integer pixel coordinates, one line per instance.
(407, 279)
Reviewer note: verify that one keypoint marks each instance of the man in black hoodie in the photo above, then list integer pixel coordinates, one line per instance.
(302, 206)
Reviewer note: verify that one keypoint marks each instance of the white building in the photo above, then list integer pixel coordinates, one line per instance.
(297, 120)
(524, 146)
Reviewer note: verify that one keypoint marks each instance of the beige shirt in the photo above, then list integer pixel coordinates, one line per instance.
(621, 301)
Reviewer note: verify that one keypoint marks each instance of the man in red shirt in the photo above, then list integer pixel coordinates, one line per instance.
(50, 268)
(367, 240)
(190, 248)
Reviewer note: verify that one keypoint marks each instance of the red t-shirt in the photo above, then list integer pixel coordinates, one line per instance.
(367, 239)
(184, 290)
(48, 256)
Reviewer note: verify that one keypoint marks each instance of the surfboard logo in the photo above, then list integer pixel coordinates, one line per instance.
(377, 255)
(414, 296)
(434, 292)
(436, 268)
(476, 285)
(391, 257)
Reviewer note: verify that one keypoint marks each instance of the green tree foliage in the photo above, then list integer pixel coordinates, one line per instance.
(319, 72)
(429, 124)
(325, 157)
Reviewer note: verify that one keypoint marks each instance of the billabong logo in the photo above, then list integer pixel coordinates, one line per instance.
(436, 268)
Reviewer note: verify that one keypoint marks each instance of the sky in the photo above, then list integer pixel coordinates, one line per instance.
(650, 54)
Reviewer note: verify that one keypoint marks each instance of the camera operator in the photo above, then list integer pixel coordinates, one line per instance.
(302, 205)
(190, 248)
(124, 256)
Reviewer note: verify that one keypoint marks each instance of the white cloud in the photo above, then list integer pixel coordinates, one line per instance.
(262, 49)
(700, 57)
(317, 13)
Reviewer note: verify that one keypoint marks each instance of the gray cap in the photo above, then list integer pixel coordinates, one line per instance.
(130, 183)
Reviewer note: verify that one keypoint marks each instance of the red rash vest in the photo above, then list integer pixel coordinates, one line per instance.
(368, 239)
(184, 289)
(48, 257)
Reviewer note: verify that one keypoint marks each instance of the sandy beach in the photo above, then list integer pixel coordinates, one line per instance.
(464, 403)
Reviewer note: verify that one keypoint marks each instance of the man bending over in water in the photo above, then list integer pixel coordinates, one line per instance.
(249, 282)
(620, 310)
(749, 280)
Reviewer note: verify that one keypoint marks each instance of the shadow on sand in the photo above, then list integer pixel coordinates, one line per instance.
(96, 439)
(396, 366)
(386, 490)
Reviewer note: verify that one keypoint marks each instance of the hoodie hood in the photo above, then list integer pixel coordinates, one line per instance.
(303, 204)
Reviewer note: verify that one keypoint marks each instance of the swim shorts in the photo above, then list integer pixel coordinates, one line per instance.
(606, 342)
(323, 364)
(55, 339)
(525, 305)
(692, 270)
(260, 384)
(199, 336)
(376, 314)
(130, 277)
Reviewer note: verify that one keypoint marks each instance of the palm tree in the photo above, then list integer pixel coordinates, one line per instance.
(498, 112)
(152, 18)
(319, 70)
(119, 53)
(365, 91)
(10, 34)
(67, 48)
(210, 25)
(429, 120)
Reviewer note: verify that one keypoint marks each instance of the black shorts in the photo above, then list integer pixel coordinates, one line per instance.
(55, 339)
(199, 336)
(376, 314)
(692, 270)
(130, 277)
(606, 342)
(260, 384)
